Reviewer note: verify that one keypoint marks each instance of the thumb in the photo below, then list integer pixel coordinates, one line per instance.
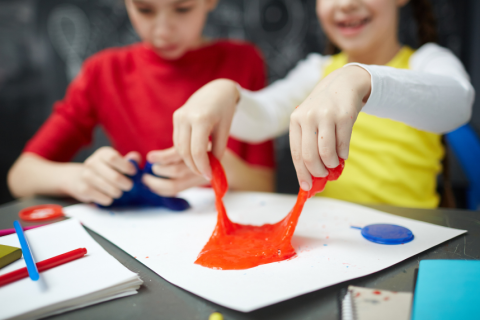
(164, 157)
(133, 155)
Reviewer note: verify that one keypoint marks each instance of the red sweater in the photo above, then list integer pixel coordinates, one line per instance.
(132, 93)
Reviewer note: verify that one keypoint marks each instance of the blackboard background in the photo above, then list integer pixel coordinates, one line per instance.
(44, 42)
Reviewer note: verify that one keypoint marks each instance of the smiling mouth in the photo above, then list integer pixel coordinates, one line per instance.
(353, 24)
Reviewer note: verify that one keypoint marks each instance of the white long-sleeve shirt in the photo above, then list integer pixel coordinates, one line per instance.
(434, 95)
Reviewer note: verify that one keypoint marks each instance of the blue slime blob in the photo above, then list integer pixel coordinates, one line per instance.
(387, 234)
(141, 196)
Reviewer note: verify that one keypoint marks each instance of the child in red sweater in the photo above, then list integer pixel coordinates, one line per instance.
(132, 93)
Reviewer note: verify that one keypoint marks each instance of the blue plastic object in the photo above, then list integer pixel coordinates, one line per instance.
(387, 234)
(466, 146)
(27, 254)
(141, 196)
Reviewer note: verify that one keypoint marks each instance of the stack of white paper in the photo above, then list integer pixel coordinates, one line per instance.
(95, 278)
(329, 251)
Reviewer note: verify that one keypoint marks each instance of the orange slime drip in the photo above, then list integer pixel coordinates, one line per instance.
(234, 246)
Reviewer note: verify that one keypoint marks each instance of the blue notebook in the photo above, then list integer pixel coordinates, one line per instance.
(447, 289)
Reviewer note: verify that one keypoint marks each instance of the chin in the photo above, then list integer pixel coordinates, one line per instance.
(353, 45)
(170, 55)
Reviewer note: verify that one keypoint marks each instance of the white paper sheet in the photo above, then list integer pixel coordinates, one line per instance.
(94, 278)
(328, 250)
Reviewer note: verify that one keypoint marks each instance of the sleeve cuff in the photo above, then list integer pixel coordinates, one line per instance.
(245, 120)
(373, 101)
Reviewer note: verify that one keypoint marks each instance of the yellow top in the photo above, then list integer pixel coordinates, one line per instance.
(389, 162)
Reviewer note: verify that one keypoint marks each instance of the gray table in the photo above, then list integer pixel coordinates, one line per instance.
(158, 299)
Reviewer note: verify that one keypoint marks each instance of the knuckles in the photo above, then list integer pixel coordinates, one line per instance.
(308, 157)
(296, 155)
(327, 152)
(117, 178)
(111, 157)
(84, 189)
(197, 152)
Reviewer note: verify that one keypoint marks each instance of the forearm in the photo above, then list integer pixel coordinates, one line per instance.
(33, 175)
(435, 95)
(434, 103)
(245, 177)
(265, 114)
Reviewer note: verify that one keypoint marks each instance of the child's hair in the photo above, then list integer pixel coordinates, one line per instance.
(422, 11)
(424, 16)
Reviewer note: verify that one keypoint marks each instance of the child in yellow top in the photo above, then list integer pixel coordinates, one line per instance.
(361, 104)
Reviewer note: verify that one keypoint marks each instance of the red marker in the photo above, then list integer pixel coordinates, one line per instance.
(43, 265)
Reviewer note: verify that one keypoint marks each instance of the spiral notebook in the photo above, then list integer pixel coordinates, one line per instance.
(373, 304)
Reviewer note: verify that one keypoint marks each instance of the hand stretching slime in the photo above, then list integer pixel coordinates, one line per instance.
(234, 246)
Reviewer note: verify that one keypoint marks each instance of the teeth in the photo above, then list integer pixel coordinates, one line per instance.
(353, 24)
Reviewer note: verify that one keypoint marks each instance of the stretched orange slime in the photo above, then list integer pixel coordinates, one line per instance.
(234, 246)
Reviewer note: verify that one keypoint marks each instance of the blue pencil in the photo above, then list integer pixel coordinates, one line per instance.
(27, 255)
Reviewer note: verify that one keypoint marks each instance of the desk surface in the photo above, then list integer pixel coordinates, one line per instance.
(158, 299)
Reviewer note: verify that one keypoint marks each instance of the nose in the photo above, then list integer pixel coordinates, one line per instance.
(348, 5)
(163, 28)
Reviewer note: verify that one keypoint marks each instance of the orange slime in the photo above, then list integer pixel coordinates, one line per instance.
(234, 246)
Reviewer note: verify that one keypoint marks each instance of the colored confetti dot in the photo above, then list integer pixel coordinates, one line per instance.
(215, 316)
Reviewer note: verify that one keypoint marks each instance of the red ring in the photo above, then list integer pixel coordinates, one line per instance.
(41, 212)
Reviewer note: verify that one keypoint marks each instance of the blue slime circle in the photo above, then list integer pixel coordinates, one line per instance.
(387, 234)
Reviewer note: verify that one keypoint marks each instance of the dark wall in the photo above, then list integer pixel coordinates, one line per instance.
(43, 44)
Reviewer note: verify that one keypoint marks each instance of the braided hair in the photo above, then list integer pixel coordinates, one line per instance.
(422, 11)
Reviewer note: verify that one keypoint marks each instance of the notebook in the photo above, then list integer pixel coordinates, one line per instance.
(373, 304)
(94, 278)
(447, 289)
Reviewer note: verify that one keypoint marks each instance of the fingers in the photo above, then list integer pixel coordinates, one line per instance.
(173, 171)
(303, 175)
(115, 160)
(133, 155)
(101, 184)
(310, 151)
(327, 147)
(103, 176)
(220, 138)
(164, 157)
(184, 148)
(343, 133)
(178, 126)
(200, 146)
(113, 177)
(99, 197)
(87, 193)
(108, 165)
(170, 187)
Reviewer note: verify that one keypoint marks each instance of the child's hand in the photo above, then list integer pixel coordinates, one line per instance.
(177, 176)
(208, 112)
(102, 178)
(321, 127)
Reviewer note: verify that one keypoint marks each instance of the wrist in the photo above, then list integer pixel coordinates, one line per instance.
(67, 177)
(363, 80)
(230, 87)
